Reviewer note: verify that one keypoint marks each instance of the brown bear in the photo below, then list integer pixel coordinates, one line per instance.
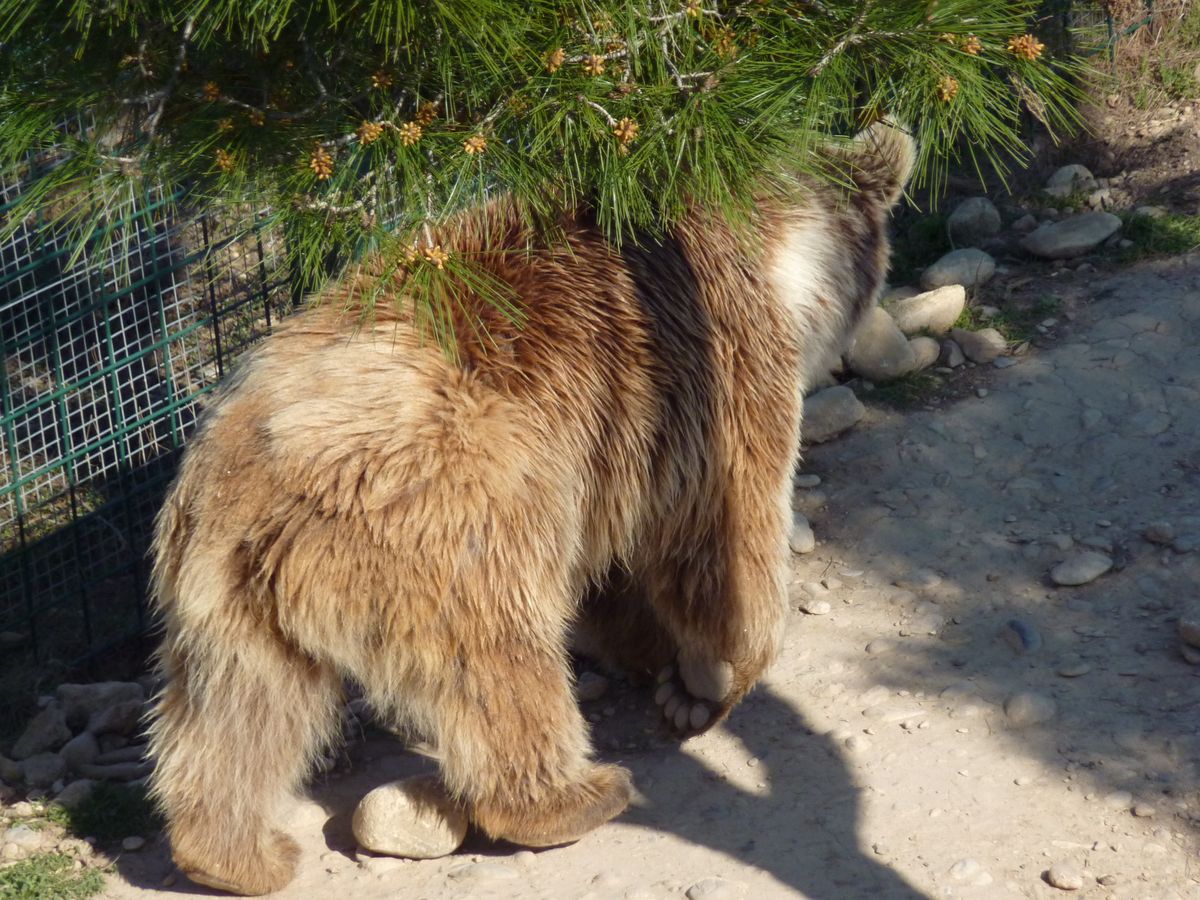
(361, 504)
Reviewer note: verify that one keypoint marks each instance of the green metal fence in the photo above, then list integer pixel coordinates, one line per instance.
(107, 364)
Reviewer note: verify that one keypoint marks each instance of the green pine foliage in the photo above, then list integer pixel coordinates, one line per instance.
(361, 123)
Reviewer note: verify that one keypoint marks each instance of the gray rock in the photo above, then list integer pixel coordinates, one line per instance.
(1026, 708)
(133, 843)
(80, 751)
(75, 794)
(973, 220)
(82, 701)
(1101, 198)
(413, 818)
(968, 267)
(1081, 568)
(43, 769)
(1186, 543)
(1149, 212)
(925, 352)
(802, 539)
(1074, 179)
(132, 753)
(1065, 876)
(879, 350)
(1073, 667)
(982, 346)
(31, 840)
(130, 771)
(1071, 237)
(121, 718)
(933, 311)
(951, 355)
(829, 412)
(1189, 626)
(1025, 224)
(46, 731)
(1159, 533)
(1190, 654)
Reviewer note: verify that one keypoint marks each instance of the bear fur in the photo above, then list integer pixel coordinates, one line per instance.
(615, 469)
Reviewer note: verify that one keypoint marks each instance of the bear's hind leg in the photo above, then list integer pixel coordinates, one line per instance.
(724, 606)
(234, 733)
(516, 751)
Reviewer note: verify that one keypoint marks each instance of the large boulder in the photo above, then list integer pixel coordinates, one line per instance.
(82, 701)
(46, 731)
(879, 350)
(983, 346)
(1073, 179)
(972, 221)
(1071, 237)
(933, 311)
(828, 413)
(968, 267)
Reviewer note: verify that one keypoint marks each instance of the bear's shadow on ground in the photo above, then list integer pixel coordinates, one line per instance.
(799, 827)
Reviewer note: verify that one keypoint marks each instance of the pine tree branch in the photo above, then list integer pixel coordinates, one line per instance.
(150, 129)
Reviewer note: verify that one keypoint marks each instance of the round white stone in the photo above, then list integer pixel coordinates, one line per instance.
(414, 818)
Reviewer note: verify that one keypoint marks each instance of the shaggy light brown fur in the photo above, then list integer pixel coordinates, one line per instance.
(358, 505)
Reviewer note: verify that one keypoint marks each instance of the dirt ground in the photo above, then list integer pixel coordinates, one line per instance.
(884, 755)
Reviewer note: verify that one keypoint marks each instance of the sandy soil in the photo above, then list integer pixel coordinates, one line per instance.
(878, 759)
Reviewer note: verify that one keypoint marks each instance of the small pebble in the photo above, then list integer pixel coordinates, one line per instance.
(1144, 810)
(807, 481)
(858, 743)
(1081, 568)
(1190, 654)
(1073, 667)
(816, 607)
(1065, 876)
(133, 843)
